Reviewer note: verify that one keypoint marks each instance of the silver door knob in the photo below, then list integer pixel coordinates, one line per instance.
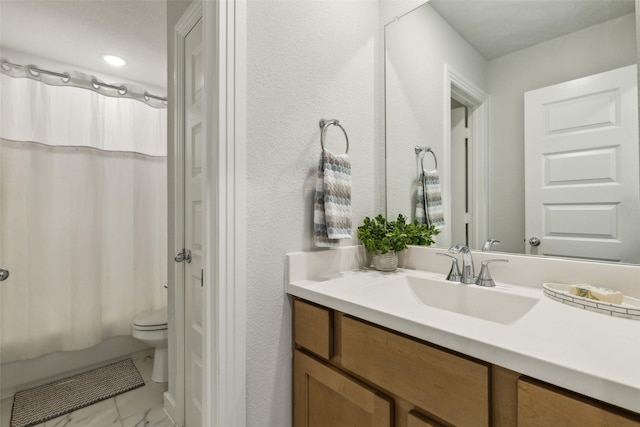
(183, 255)
(4, 274)
(534, 241)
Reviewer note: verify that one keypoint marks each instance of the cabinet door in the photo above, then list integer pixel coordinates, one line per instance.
(323, 397)
(540, 405)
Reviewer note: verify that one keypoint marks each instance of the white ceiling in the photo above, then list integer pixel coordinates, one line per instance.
(77, 32)
(498, 27)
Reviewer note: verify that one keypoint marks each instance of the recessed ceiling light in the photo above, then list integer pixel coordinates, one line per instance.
(116, 61)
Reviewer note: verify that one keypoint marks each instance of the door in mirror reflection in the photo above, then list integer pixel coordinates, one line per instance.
(459, 174)
(581, 169)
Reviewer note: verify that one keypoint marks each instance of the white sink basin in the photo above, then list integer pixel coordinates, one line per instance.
(493, 304)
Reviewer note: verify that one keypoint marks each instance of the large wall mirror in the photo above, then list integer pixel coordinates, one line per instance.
(530, 109)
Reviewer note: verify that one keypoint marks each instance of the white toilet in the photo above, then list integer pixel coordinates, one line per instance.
(151, 329)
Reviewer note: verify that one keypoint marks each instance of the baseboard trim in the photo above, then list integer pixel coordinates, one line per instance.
(170, 407)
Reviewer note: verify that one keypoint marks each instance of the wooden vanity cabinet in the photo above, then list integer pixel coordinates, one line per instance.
(323, 395)
(351, 373)
(379, 376)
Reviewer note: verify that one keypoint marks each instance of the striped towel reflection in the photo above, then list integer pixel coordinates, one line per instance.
(433, 198)
(332, 206)
(421, 214)
(429, 208)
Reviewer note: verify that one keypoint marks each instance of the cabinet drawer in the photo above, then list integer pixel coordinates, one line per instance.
(313, 328)
(450, 387)
(325, 397)
(543, 405)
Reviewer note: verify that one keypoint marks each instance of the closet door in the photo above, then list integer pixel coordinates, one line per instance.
(193, 210)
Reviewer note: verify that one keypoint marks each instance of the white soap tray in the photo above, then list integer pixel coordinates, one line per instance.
(629, 309)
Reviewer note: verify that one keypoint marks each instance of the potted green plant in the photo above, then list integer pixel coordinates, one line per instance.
(384, 239)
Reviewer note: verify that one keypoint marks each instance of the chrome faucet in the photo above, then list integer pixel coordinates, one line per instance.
(468, 276)
(454, 274)
(488, 244)
(484, 278)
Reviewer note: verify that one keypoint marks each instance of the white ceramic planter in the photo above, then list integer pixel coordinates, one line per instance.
(386, 262)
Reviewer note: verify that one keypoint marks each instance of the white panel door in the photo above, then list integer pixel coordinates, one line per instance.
(194, 301)
(581, 168)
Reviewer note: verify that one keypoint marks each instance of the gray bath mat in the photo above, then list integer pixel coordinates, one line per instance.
(39, 404)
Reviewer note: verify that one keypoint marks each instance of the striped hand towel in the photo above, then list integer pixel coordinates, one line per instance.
(332, 206)
(421, 213)
(433, 198)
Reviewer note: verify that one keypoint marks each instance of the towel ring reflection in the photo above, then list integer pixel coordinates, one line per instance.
(423, 150)
(324, 124)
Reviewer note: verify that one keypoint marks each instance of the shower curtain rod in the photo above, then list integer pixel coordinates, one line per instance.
(35, 72)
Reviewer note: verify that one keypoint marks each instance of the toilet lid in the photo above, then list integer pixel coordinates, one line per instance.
(152, 320)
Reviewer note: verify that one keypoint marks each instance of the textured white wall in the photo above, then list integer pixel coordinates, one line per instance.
(306, 60)
(593, 50)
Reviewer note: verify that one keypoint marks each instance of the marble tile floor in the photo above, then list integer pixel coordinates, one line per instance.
(141, 407)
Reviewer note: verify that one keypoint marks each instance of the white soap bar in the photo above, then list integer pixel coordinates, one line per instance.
(596, 293)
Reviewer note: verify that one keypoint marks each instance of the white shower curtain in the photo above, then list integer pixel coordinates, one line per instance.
(83, 214)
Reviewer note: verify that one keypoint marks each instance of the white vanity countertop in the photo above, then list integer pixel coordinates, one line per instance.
(590, 353)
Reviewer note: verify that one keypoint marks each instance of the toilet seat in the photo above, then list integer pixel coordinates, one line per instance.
(155, 320)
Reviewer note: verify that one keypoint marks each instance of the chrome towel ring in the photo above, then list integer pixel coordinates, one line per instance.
(324, 124)
(419, 150)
